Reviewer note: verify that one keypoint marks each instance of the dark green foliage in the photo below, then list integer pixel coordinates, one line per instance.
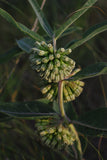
(27, 109)
(91, 71)
(17, 118)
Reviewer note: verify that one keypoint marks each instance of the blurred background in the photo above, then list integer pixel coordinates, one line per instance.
(18, 82)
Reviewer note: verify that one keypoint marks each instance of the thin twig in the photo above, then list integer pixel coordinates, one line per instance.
(100, 9)
(87, 125)
(103, 90)
(54, 44)
(99, 146)
(73, 73)
(36, 20)
(94, 148)
(60, 98)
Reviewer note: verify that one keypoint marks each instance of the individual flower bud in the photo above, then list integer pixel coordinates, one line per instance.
(43, 133)
(51, 57)
(57, 79)
(35, 49)
(52, 76)
(62, 50)
(57, 63)
(43, 67)
(78, 91)
(59, 137)
(64, 65)
(42, 53)
(70, 93)
(45, 60)
(66, 95)
(73, 85)
(51, 130)
(66, 72)
(47, 73)
(71, 62)
(46, 89)
(66, 59)
(80, 83)
(61, 74)
(38, 68)
(55, 94)
(50, 94)
(57, 55)
(60, 128)
(67, 51)
(50, 66)
(55, 70)
(76, 71)
(38, 44)
(38, 61)
(72, 97)
(49, 80)
(44, 45)
(50, 48)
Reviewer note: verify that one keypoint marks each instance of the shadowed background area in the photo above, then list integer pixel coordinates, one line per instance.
(18, 82)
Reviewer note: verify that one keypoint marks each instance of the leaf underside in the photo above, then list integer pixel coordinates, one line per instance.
(45, 25)
(28, 110)
(90, 33)
(20, 26)
(93, 70)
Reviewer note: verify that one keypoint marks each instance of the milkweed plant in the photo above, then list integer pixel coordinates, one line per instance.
(63, 82)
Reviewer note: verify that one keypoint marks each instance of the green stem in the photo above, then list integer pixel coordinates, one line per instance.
(60, 98)
(54, 44)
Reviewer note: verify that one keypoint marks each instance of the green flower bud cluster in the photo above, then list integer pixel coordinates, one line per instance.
(55, 136)
(71, 90)
(52, 67)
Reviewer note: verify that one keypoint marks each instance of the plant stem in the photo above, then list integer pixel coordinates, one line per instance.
(36, 20)
(60, 98)
(54, 44)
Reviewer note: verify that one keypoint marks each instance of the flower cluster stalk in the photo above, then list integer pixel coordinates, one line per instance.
(60, 98)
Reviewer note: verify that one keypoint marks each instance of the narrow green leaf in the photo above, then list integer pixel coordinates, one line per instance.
(28, 110)
(15, 51)
(70, 30)
(93, 70)
(26, 44)
(20, 26)
(41, 17)
(92, 32)
(14, 7)
(4, 117)
(93, 122)
(74, 17)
